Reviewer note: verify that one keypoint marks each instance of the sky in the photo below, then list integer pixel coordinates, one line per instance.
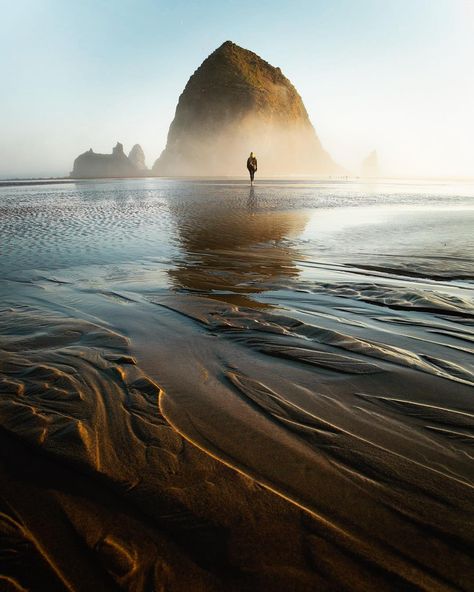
(396, 76)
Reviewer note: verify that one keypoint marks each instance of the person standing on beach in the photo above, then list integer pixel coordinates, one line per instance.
(252, 166)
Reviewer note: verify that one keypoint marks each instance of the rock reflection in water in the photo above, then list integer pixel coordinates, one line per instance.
(234, 248)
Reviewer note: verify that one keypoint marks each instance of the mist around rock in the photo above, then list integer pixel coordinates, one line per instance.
(370, 165)
(137, 157)
(281, 150)
(234, 103)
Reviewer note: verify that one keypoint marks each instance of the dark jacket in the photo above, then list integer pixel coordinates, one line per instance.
(252, 163)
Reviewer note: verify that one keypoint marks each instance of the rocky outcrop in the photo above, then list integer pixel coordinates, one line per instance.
(137, 157)
(91, 165)
(233, 104)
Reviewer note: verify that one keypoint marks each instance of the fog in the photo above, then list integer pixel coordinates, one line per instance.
(281, 149)
(399, 81)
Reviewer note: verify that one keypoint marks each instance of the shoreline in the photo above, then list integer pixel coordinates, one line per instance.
(345, 179)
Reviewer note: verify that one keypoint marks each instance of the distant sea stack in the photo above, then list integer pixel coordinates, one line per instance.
(370, 166)
(233, 104)
(137, 157)
(90, 165)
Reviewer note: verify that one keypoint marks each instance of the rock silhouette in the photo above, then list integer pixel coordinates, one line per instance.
(233, 104)
(92, 165)
(137, 157)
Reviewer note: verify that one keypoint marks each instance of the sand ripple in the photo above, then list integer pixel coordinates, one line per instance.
(362, 433)
(205, 388)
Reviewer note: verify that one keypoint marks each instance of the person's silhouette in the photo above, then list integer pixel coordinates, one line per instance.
(252, 166)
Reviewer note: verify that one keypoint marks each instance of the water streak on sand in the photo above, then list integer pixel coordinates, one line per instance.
(168, 348)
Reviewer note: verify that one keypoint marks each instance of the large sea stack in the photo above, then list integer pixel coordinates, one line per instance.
(90, 165)
(233, 104)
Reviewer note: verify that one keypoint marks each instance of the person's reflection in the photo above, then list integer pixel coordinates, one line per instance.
(231, 248)
(252, 201)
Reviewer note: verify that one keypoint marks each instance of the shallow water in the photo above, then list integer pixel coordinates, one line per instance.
(103, 222)
(329, 322)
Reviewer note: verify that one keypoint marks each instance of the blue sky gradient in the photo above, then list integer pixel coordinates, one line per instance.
(395, 75)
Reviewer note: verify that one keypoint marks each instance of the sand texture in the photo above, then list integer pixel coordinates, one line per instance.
(208, 389)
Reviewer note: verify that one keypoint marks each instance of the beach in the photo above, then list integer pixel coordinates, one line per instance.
(207, 386)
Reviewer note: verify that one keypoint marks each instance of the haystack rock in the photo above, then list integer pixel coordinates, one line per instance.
(91, 165)
(137, 157)
(233, 104)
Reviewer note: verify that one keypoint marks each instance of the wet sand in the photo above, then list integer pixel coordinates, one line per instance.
(210, 388)
(29, 182)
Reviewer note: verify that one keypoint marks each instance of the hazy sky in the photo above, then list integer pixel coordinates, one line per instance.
(395, 75)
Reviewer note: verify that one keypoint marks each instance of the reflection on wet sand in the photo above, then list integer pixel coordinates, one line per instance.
(175, 433)
(231, 251)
